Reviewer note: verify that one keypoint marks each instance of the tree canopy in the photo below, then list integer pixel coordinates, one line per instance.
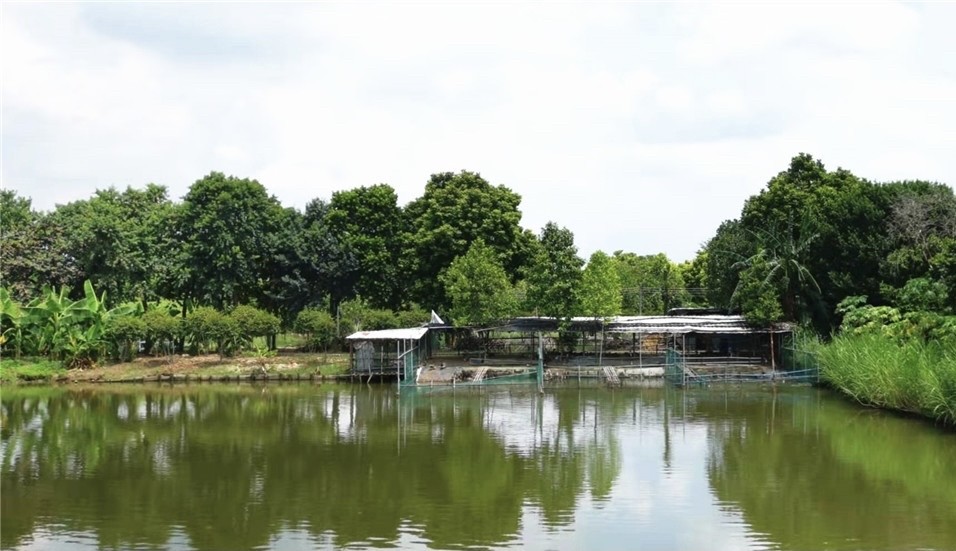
(478, 287)
(455, 211)
(808, 240)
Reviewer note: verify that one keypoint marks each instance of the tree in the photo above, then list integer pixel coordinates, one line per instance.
(478, 287)
(758, 292)
(115, 239)
(786, 270)
(318, 258)
(600, 290)
(34, 251)
(225, 227)
(368, 222)
(922, 212)
(842, 220)
(455, 211)
(555, 273)
(652, 284)
(15, 211)
(730, 245)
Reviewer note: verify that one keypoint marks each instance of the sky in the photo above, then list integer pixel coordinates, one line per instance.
(639, 126)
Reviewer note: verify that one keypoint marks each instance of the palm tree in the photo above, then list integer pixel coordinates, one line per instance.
(784, 257)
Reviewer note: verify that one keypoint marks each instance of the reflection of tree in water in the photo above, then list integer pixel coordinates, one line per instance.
(232, 467)
(809, 472)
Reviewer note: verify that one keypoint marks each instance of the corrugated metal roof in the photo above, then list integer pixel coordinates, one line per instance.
(724, 324)
(408, 333)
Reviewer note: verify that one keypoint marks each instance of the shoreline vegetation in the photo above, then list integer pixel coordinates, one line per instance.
(97, 284)
(911, 377)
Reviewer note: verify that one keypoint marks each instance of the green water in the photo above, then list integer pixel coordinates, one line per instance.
(304, 467)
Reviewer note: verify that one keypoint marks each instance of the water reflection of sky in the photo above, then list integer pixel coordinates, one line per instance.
(655, 470)
(652, 505)
(655, 503)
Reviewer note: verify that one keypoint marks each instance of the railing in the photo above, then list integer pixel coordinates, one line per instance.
(681, 370)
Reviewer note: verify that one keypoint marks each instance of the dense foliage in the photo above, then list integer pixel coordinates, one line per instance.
(827, 235)
(229, 263)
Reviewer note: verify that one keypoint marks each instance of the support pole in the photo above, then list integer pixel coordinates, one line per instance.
(773, 359)
(540, 370)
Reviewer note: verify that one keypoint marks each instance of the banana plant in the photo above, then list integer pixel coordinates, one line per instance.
(11, 322)
(49, 321)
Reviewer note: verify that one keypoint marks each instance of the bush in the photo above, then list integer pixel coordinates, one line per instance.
(376, 319)
(162, 329)
(318, 325)
(253, 322)
(124, 334)
(413, 317)
(357, 315)
(227, 334)
(200, 327)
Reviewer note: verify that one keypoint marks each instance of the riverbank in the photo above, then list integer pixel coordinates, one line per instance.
(912, 377)
(283, 366)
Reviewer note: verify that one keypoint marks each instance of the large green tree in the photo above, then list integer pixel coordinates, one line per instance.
(839, 222)
(729, 246)
(555, 274)
(455, 211)
(226, 225)
(117, 239)
(34, 250)
(922, 225)
(368, 223)
(600, 290)
(478, 287)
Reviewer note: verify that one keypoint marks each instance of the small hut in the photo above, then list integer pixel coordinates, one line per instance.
(389, 352)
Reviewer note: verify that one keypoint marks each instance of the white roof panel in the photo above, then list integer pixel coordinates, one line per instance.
(409, 333)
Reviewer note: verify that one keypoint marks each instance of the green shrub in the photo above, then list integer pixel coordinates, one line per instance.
(124, 334)
(253, 322)
(225, 331)
(413, 317)
(376, 319)
(357, 315)
(200, 327)
(162, 329)
(318, 325)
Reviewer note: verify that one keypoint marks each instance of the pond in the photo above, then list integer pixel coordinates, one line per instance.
(303, 466)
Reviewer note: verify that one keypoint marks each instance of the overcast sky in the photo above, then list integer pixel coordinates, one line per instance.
(639, 127)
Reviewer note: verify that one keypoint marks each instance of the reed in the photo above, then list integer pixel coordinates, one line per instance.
(913, 376)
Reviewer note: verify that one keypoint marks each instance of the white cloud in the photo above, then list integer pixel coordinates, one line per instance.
(640, 127)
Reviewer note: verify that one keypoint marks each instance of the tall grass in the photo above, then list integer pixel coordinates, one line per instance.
(913, 376)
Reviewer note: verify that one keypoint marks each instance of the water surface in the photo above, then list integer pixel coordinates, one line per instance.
(300, 466)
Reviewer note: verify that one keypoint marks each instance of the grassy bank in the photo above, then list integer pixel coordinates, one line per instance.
(207, 367)
(915, 376)
(28, 370)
